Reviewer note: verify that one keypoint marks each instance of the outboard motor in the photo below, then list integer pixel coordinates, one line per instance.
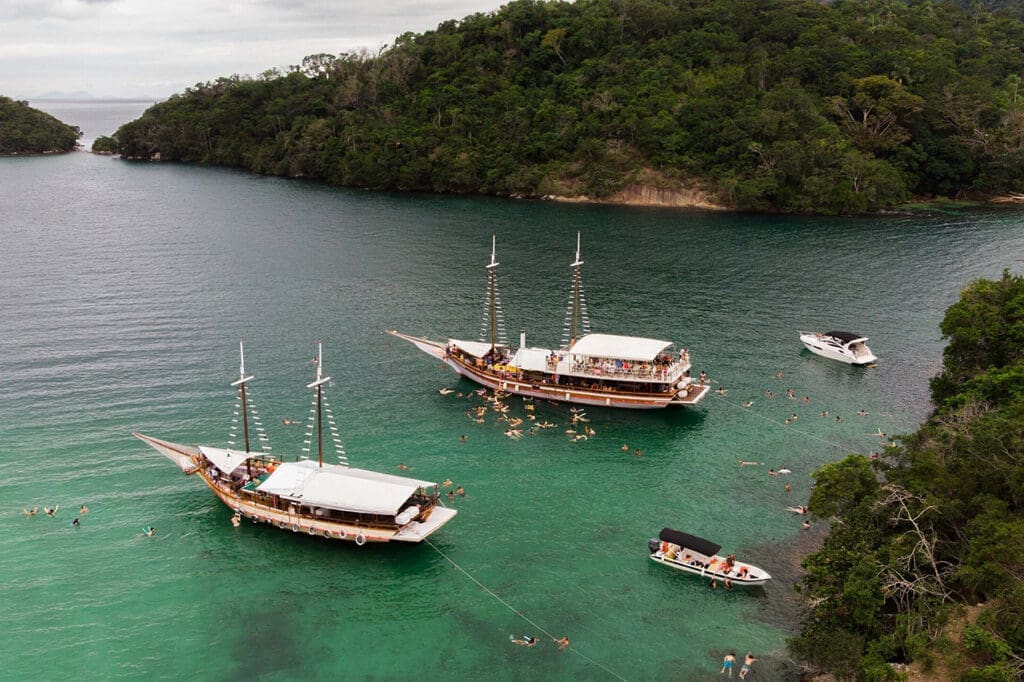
(653, 544)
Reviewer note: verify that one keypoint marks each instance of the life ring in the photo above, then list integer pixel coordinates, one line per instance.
(281, 524)
(295, 529)
(360, 540)
(327, 533)
(341, 534)
(312, 530)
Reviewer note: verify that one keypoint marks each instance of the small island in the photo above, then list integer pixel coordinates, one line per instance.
(24, 130)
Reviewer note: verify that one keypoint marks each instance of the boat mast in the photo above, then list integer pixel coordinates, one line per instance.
(577, 322)
(576, 289)
(319, 386)
(242, 381)
(492, 310)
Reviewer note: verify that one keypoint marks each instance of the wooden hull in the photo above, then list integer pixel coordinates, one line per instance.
(557, 392)
(252, 509)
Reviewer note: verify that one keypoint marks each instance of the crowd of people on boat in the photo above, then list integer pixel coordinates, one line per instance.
(716, 566)
(662, 367)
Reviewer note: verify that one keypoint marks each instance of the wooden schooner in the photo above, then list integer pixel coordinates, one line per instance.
(333, 501)
(588, 369)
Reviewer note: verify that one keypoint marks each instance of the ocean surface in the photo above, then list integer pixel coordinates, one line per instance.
(126, 287)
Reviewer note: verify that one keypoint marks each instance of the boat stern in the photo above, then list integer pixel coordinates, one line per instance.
(691, 394)
(418, 531)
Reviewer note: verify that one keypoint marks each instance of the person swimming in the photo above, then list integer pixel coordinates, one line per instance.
(526, 640)
(148, 531)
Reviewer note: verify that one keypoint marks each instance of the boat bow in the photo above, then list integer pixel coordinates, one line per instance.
(182, 455)
(432, 348)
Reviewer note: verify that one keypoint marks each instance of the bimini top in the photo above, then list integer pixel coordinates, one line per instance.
(619, 347)
(699, 545)
(477, 349)
(226, 460)
(338, 487)
(846, 337)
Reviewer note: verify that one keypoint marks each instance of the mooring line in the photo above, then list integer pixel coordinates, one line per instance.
(518, 612)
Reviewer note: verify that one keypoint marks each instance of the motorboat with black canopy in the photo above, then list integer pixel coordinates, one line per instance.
(692, 554)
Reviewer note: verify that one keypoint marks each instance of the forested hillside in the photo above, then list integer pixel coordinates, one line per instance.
(791, 105)
(936, 523)
(24, 130)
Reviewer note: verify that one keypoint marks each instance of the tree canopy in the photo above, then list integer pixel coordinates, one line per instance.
(24, 130)
(789, 105)
(935, 523)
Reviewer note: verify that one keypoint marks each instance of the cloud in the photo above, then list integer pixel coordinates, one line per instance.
(125, 47)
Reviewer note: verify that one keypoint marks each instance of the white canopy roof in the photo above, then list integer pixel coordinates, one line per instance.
(339, 487)
(477, 349)
(226, 460)
(338, 491)
(287, 479)
(619, 347)
(532, 359)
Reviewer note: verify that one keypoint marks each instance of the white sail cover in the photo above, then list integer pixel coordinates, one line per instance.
(344, 488)
(226, 460)
(477, 349)
(287, 479)
(532, 360)
(619, 347)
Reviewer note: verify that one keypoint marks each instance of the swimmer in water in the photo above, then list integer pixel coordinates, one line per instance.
(526, 640)
(148, 531)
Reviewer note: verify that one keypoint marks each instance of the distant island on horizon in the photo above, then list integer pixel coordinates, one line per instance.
(790, 106)
(83, 96)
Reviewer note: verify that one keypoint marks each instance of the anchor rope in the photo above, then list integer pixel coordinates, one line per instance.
(518, 612)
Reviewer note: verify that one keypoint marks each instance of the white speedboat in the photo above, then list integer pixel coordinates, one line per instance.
(689, 553)
(842, 346)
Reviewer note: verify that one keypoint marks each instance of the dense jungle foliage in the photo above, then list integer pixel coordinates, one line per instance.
(24, 130)
(790, 105)
(935, 523)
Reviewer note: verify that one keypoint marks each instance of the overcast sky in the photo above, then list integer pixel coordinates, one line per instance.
(154, 48)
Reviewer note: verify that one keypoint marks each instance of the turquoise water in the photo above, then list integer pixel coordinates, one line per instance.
(126, 288)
